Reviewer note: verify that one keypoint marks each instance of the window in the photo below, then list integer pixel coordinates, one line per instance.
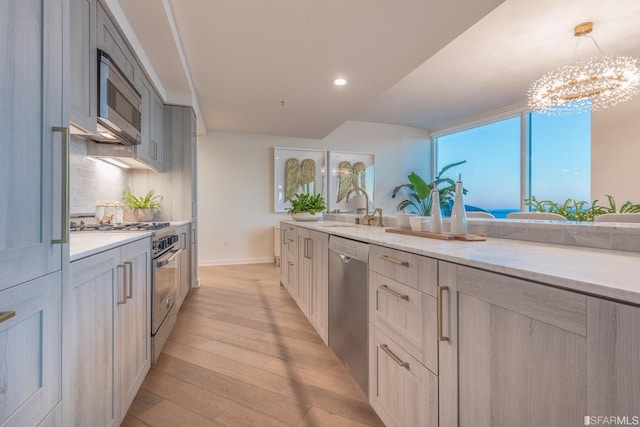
(558, 168)
(560, 157)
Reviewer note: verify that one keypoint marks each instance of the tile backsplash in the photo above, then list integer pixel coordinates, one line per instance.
(92, 182)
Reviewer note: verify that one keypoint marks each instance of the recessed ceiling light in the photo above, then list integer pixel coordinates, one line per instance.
(340, 82)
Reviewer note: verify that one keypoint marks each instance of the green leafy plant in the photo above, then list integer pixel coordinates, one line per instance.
(575, 210)
(303, 202)
(419, 192)
(148, 201)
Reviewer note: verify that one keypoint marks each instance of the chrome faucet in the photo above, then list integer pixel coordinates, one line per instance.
(366, 197)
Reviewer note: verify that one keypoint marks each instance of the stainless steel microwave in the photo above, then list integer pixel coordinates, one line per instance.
(119, 105)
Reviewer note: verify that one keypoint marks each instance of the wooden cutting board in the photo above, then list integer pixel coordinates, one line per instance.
(441, 236)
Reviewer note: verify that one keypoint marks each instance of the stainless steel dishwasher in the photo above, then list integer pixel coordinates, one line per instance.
(348, 276)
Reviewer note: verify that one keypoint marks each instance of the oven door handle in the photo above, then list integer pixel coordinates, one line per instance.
(174, 253)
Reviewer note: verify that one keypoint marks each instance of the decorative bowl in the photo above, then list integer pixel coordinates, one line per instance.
(306, 216)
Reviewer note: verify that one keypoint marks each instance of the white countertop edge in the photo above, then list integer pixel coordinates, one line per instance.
(600, 272)
(86, 243)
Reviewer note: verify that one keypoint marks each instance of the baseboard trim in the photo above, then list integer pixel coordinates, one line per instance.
(235, 261)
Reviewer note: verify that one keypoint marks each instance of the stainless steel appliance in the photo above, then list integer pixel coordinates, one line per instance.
(165, 273)
(164, 290)
(119, 105)
(348, 276)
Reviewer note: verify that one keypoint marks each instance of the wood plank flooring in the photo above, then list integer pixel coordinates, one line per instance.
(243, 354)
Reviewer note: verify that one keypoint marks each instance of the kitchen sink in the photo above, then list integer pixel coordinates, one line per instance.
(339, 225)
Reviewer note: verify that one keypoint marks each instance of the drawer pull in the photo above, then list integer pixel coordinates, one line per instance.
(395, 358)
(6, 315)
(394, 293)
(441, 336)
(395, 261)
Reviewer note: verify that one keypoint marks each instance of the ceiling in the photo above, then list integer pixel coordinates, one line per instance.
(268, 67)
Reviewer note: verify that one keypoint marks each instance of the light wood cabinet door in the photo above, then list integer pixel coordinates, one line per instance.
(284, 252)
(401, 390)
(30, 350)
(151, 147)
(319, 283)
(185, 282)
(613, 359)
(84, 65)
(516, 353)
(133, 320)
(110, 40)
(304, 265)
(89, 301)
(32, 214)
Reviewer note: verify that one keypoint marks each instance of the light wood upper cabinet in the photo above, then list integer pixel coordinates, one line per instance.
(151, 147)
(32, 215)
(84, 69)
(110, 40)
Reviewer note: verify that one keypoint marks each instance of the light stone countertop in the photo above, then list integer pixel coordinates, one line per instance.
(600, 272)
(86, 243)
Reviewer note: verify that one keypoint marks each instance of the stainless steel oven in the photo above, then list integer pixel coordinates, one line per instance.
(164, 292)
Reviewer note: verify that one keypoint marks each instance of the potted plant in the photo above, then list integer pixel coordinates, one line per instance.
(419, 192)
(144, 207)
(307, 207)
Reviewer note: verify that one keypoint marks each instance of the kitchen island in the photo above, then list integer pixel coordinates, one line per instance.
(495, 333)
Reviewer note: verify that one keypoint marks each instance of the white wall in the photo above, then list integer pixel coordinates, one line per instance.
(615, 153)
(235, 180)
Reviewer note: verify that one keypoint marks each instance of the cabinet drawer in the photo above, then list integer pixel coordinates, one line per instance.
(30, 350)
(416, 271)
(401, 390)
(407, 316)
(290, 238)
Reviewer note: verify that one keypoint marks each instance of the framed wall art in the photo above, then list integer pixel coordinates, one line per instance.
(297, 170)
(347, 171)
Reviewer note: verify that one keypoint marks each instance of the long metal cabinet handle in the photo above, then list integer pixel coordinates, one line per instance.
(441, 336)
(64, 200)
(130, 278)
(395, 358)
(394, 293)
(395, 261)
(310, 249)
(6, 315)
(124, 287)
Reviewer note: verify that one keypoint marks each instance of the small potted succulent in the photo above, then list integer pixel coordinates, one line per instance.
(143, 208)
(307, 207)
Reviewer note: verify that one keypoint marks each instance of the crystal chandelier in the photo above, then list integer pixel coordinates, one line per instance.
(592, 84)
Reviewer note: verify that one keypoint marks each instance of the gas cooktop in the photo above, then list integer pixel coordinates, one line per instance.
(122, 226)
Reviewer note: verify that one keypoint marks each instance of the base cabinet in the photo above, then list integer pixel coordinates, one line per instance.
(520, 353)
(30, 350)
(313, 279)
(401, 390)
(106, 319)
(184, 286)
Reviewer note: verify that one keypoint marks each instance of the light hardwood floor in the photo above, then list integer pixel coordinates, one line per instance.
(243, 354)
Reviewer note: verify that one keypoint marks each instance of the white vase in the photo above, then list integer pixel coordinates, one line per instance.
(458, 214)
(435, 224)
